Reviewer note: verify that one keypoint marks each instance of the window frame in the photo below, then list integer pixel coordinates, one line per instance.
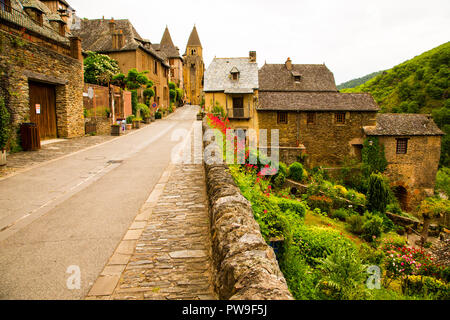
(339, 117)
(402, 149)
(282, 117)
(311, 116)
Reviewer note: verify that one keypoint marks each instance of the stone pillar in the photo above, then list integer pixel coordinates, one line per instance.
(75, 48)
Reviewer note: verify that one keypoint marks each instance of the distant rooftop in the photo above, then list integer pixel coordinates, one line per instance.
(398, 124)
(218, 76)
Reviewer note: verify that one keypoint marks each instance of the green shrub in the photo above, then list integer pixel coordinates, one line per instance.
(278, 180)
(320, 202)
(296, 172)
(283, 169)
(427, 286)
(295, 206)
(340, 214)
(355, 224)
(130, 119)
(143, 109)
(158, 115)
(343, 274)
(300, 277)
(443, 180)
(371, 256)
(314, 242)
(372, 227)
(377, 193)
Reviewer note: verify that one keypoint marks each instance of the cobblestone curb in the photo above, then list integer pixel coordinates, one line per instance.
(246, 267)
(109, 278)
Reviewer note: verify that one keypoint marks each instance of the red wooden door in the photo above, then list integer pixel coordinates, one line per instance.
(43, 109)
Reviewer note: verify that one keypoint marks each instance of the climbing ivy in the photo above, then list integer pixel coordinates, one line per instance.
(4, 124)
(373, 157)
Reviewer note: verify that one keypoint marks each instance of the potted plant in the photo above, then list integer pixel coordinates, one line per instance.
(137, 122)
(158, 114)
(144, 112)
(4, 131)
(115, 130)
(130, 122)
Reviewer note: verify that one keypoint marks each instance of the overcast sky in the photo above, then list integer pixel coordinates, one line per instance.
(352, 37)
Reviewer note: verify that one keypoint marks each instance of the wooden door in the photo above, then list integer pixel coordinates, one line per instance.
(43, 109)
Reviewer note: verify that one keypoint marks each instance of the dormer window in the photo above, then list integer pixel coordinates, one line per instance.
(297, 76)
(234, 74)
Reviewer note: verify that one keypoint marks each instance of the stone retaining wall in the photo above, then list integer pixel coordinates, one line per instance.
(246, 267)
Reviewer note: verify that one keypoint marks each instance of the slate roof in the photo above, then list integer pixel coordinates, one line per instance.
(314, 77)
(166, 48)
(26, 22)
(397, 124)
(218, 76)
(316, 101)
(96, 36)
(194, 39)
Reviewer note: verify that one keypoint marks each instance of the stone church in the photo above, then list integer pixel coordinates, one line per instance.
(193, 69)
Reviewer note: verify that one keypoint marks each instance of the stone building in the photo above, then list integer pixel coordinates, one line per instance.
(41, 70)
(172, 54)
(232, 83)
(193, 69)
(120, 40)
(313, 118)
(412, 145)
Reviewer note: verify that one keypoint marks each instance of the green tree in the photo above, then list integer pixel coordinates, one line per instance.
(99, 68)
(4, 124)
(373, 157)
(378, 193)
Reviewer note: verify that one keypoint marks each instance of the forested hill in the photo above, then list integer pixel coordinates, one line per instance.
(419, 85)
(357, 82)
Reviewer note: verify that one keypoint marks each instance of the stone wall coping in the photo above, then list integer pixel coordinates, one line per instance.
(246, 267)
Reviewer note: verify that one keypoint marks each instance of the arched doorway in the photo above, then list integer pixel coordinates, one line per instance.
(401, 194)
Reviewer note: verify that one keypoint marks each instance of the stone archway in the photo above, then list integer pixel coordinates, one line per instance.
(401, 194)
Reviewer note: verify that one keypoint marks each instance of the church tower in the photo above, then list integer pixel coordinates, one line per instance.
(193, 69)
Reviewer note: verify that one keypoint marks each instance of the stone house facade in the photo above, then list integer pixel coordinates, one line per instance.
(412, 144)
(120, 40)
(193, 69)
(312, 117)
(41, 71)
(167, 49)
(232, 83)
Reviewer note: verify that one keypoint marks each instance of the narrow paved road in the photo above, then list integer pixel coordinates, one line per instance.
(74, 211)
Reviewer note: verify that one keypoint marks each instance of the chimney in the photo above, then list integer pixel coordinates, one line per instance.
(75, 48)
(112, 25)
(252, 56)
(121, 39)
(118, 39)
(288, 64)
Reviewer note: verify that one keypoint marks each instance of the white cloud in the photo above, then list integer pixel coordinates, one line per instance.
(352, 37)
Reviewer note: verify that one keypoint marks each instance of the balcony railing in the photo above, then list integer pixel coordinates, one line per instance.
(21, 19)
(239, 113)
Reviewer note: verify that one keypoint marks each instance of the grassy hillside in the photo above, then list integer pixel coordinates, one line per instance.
(357, 82)
(419, 85)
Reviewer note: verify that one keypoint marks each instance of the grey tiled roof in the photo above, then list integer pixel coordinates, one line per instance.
(315, 101)
(314, 77)
(218, 75)
(397, 124)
